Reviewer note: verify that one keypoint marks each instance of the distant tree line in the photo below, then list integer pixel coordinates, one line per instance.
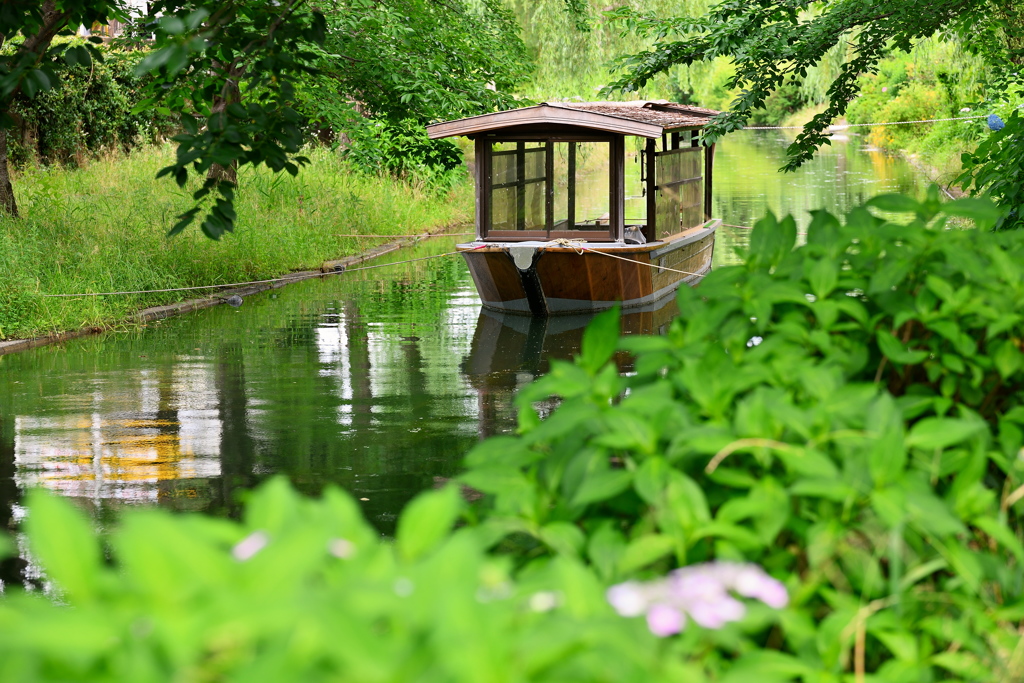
(245, 80)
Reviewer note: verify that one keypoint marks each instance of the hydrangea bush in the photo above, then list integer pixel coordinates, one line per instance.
(846, 413)
(815, 475)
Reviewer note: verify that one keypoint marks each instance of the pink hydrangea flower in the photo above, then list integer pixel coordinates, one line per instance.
(665, 621)
(703, 593)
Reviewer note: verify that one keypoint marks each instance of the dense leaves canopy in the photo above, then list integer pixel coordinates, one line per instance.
(771, 41)
(388, 68)
(249, 77)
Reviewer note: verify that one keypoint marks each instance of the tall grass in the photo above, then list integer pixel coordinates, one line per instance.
(102, 228)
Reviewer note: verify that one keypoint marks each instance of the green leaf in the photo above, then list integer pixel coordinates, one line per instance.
(564, 538)
(822, 275)
(1007, 358)
(963, 664)
(643, 551)
(602, 485)
(901, 644)
(600, 340)
(65, 544)
(965, 563)
(828, 488)
(895, 203)
(941, 432)
(651, 479)
(504, 451)
(888, 455)
(771, 240)
(171, 24)
(894, 350)
(426, 520)
(768, 666)
(1002, 534)
(628, 432)
(605, 549)
(495, 480)
(979, 209)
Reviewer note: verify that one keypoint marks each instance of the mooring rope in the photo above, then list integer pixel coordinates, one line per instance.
(421, 235)
(253, 282)
(747, 227)
(642, 263)
(844, 126)
(580, 246)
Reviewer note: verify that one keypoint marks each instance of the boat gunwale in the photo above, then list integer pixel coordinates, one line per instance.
(654, 248)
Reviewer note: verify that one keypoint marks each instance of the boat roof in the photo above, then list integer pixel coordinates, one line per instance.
(643, 118)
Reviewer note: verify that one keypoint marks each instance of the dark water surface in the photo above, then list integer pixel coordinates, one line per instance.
(378, 381)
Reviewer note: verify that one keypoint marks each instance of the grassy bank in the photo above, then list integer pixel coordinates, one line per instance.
(102, 228)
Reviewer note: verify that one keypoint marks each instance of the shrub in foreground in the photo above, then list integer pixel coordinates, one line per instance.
(847, 414)
(305, 590)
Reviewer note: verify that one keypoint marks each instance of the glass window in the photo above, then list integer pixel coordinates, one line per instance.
(549, 186)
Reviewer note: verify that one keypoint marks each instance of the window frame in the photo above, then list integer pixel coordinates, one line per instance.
(484, 188)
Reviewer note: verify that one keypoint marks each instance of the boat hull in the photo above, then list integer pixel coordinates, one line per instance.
(558, 278)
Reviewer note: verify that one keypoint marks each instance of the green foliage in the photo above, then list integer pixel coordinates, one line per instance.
(284, 224)
(415, 59)
(935, 80)
(204, 56)
(388, 68)
(780, 105)
(305, 590)
(845, 413)
(91, 110)
(996, 167)
(403, 150)
(570, 63)
(774, 42)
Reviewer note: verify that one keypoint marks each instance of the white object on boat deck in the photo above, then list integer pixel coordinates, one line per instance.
(523, 256)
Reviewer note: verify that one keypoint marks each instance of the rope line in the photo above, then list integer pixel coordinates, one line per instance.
(858, 125)
(747, 227)
(422, 235)
(253, 282)
(642, 263)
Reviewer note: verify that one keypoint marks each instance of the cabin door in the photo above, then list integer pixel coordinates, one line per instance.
(679, 189)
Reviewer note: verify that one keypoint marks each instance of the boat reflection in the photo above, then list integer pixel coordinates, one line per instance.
(510, 351)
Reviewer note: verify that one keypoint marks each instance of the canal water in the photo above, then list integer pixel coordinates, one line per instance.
(378, 381)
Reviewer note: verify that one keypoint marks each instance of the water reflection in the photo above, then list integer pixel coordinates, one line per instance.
(378, 381)
(747, 182)
(510, 351)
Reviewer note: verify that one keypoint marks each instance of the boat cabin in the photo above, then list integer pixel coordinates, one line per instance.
(626, 172)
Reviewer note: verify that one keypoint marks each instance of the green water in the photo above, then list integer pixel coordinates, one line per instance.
(378, 381)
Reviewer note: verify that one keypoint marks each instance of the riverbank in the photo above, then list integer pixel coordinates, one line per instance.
(939, 163)
(102, 229)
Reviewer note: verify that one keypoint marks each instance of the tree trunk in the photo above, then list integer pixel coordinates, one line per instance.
(54, 21)
(229, 94)
(7, 201)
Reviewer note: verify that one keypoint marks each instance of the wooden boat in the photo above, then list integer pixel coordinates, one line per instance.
(556, 232)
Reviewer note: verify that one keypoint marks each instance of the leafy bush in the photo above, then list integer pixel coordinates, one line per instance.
(780, 105)
(996, 168)
(402, 149)
(91, 110)
(847, 414)
(305, 590)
